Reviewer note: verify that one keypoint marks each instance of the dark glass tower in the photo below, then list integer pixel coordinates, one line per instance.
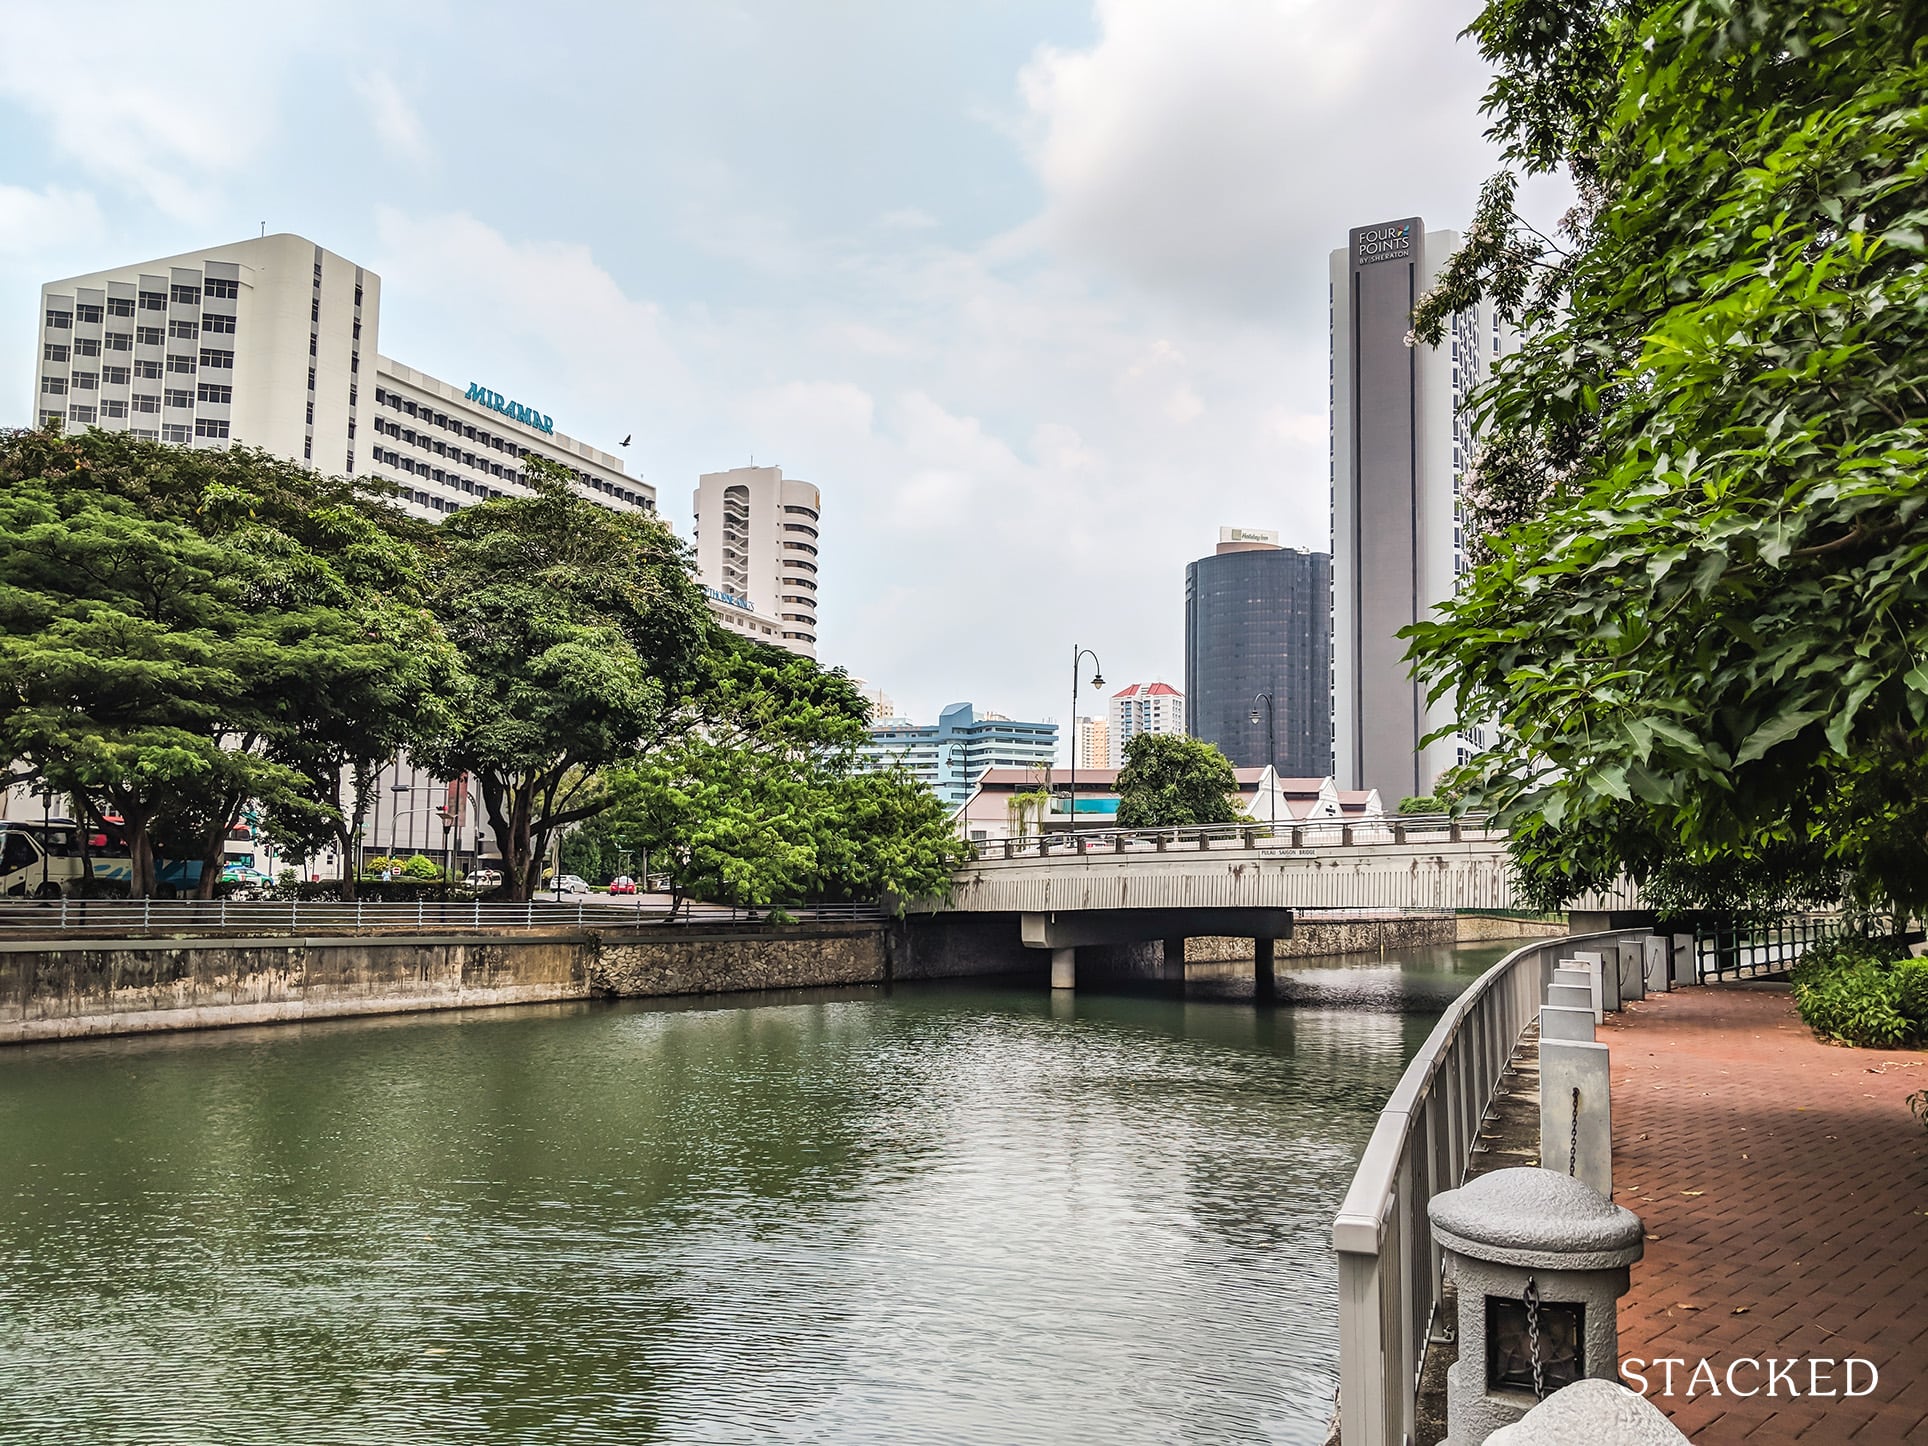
(1259, 620)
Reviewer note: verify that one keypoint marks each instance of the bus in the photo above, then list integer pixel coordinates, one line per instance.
(44, 860)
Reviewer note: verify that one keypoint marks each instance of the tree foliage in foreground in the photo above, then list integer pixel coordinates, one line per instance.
(581, 633)
(1171, 780)
(1701, 616)
(172, 618)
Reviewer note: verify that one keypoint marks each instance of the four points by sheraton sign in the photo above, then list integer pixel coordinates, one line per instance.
(494, 401)
(1386, 243)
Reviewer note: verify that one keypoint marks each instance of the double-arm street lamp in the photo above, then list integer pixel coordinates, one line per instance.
(1271, 749)
(1078, 654)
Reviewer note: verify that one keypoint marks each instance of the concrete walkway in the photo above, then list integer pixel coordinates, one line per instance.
(1784, 1186)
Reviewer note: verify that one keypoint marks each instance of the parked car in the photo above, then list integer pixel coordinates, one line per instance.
(483, 880)
(570, 884)
(622, 884)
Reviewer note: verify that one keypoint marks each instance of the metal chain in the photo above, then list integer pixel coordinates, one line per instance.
(1532, 1299)
(1573, 1139)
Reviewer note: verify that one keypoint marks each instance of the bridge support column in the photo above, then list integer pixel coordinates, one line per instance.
(1174, 970)
(1064, 968)
(1263, 978)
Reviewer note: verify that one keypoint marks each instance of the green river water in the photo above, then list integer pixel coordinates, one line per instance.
(967, 1212)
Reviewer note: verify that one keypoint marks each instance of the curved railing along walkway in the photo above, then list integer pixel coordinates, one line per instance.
(1389, 1265)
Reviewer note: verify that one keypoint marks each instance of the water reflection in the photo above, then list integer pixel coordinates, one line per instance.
(949, 1213)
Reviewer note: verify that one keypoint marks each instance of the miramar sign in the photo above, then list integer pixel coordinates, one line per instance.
(730, 599)
(1392, 242)
(515, 411)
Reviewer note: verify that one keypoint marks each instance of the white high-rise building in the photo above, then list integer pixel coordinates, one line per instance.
(756, 551)
(1094, 743)
(272, 342)
(1401, 448)
(1142, 708)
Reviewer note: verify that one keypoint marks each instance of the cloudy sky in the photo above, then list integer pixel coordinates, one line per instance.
(1034, 290)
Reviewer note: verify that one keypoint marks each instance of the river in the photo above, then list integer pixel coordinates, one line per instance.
(966, 1212)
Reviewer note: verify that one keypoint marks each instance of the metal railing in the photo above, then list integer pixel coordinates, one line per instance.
(1389, 1265)
(1304, 834)
(122, 918)
(1729, 951)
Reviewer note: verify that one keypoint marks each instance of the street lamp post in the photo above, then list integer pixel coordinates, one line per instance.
(1097, 681)
(1271, 749)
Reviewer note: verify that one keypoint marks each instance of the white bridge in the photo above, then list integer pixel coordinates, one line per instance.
(1120, 886)
(1398, 863)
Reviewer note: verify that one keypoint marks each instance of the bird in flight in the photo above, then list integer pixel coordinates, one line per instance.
(626, 439)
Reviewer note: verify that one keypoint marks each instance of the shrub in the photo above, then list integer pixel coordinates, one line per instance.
(422, 867)
(1856, 991)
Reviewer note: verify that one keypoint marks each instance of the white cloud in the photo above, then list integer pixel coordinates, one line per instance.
(1211, 151)
(47, 223)
(146, 119)
(393, 119)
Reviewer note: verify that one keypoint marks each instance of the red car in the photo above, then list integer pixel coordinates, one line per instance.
(622, 884)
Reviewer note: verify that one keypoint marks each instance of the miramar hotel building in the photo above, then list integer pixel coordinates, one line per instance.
(274, 342)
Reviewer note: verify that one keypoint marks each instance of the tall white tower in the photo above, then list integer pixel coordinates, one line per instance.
(1400, 451)
(756, 550)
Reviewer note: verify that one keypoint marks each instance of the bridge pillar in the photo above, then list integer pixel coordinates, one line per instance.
(1174, 969)
(1263, 979)
(1064, 968)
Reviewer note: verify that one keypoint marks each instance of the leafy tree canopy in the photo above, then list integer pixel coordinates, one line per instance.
(1169, 779)
(1700, 613)
(766, 801)
(169, 616)
(582, 635)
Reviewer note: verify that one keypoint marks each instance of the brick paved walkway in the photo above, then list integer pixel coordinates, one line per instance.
(1784, 1186)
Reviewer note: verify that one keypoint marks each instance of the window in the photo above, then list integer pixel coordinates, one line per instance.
(358, 291)
(314, 312)
(179, 398)
(51, 419)
(183, 328)
(211, 392)
(186, 295)
(113, 409)
(217, 287)
(148, 336)
(153, 301)
(86, 381)
(354, 364)
(308, 450)
(116, 376)
(358, 331)
(88, 313)
(60, 320)
(311, 414)
(209, 427)
(81, 414)
(222, 360)
(313, 344)
(120, 341)
(53, 386)
(311, 379)
(151, 370)
(120, 306)
(53, 351)
(183, 365)
(146, 404)
(214, 324)
(177, 434)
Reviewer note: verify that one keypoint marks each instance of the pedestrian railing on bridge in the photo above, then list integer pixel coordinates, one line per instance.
(1761, 950)
(1306, 834)
(125, 918)
(1390, 1267)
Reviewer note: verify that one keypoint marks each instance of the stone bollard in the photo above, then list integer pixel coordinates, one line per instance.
(1603, 970)
(1660, 978)
(1539, 1259)
(1559, 1022)
(1686, 966)
(1632, 966)
(1571, 971)
(1570, 996)
(1576, 1111)
(1591, 1410)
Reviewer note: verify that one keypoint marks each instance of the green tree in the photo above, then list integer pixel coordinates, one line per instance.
(1169, 779)
(581, 634)
(765, 801)
(167, 614)
(1700, 617)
